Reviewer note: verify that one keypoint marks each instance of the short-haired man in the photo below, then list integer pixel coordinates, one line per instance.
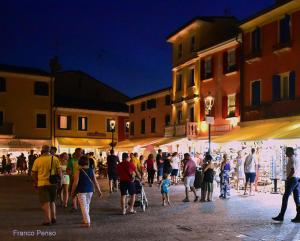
(250, 166)
(126, 173)
(160, 165)
(291, 185)
(112, 162)
(41, 171)
(189, 171)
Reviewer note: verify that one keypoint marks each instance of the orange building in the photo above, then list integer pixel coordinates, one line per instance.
(271, 44)
(205, 62)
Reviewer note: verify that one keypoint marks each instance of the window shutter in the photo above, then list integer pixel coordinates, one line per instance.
(237, 59)
(86, 123)
(225, 62)
(225, 106)
(202, 110)
(69, 120)
(292, 84)
(237, 104)
(212, 66)
(58, 121)
(276, 87)
(202, 69)
(257, 40)
(79, 123)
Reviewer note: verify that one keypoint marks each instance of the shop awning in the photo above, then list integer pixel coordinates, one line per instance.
(142, 142)
(83, 142)
(167, 140)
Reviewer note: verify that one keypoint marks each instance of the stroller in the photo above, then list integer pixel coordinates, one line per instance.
(141, 198)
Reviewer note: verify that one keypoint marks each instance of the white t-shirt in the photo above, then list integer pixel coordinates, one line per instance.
(250, 163)
(175, 162)
(293, 163)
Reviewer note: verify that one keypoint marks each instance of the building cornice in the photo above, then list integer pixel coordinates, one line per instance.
(77, 110)
(24, 76)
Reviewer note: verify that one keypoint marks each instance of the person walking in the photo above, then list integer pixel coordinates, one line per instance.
(43, 167)
(3, 164)
(72, 168)
(83, 187)
(64, 191)
(189, 171)
(240, 171)
(164, 188)
(31, 159)
(225, 177)
(250, 167)
(112, 162)
(127, 172)
(8, 165)
(208, 179)
(175, 162)
(159, 165)
(149, 165)
(291, 185)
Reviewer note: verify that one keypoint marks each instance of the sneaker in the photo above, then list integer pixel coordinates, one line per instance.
(196, 199)
(279, 218)
(186, 200)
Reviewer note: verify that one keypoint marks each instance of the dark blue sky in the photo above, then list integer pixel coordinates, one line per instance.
(120, 42)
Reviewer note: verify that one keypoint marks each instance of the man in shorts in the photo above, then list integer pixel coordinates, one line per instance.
(46, 190)
(250, 166)
(112, 162)
(189, 171)
(126, 172)
(160, 165)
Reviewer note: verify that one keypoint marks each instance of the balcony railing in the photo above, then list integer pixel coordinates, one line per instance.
(191, 129)
(6, 129)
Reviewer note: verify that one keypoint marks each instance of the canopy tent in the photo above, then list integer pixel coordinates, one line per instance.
(83, 142)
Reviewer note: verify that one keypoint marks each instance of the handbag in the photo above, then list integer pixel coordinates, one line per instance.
(53, 179)
(89, 179)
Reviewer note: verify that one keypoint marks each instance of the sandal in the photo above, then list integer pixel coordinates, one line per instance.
(132, 212)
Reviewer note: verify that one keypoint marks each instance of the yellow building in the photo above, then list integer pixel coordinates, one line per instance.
(25, 108)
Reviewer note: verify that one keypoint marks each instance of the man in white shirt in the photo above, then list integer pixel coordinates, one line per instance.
(250, 166)
(291, 185)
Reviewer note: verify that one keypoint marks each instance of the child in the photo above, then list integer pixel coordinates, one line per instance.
(164, 187)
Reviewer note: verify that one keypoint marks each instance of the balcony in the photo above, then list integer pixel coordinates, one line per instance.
(253, 56)
(282, 47)
(189, 130)
(6, 129)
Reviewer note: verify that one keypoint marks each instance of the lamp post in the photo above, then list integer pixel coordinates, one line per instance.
(209, 102)
(112, 124)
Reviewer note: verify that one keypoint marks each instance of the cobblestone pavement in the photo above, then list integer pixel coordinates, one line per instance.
(238, 218)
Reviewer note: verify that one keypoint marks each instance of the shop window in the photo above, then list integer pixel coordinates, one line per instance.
(284, 86)
(167, 100)
(179, 82)
(132, 128)
(179, 117)
(1, 118)
(284, 29)
(255, 93)
(231, 105)
(167, 120)
(143, 125)
(2, 84)
(191, 77)
(255, 41)
(179, 51)
(191, 114)
(82, 123)
(153, 125)
(64, 122)
(131, 108)
(41, 88)
(143, 106)
(41, 120)
(193, 44)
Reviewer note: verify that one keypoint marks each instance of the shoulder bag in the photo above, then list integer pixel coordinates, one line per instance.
(53, 179)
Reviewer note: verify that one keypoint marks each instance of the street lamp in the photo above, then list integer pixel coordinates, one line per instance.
(112, 124)
(209, 102)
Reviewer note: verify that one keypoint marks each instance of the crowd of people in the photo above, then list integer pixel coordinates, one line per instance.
(58, 177)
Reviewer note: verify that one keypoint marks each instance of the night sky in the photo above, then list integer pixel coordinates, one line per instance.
(120, 42)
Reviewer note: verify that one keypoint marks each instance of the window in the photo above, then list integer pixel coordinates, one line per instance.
(284, 29)
(82, 123)
(41, 88)
(131, 108)
(284, 86)
(255, 93)
(151, 104)
(179, 116)
(143, 126)
(167, 120)
(231, 105)
(2, 84)
(231, 60)
(41, 120)
(132, 128)
(255, 42)
(191, 77)
(191, 114)
(153, 125)
(179, 82)
(64, 122)
(167, 100)
(179, 51)
(193, 43)
(143, 106)
(206, 68)
(1, 118)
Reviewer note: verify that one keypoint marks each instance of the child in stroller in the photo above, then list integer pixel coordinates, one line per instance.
(141, 198)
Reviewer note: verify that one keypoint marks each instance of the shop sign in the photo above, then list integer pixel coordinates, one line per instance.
(210, 120)
(96, 134)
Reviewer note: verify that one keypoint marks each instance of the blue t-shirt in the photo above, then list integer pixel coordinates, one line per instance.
(84, 183)
(166, 183)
